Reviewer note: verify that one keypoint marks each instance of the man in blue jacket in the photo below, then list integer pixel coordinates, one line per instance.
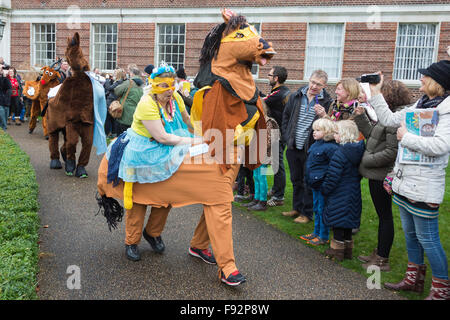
(302, 108)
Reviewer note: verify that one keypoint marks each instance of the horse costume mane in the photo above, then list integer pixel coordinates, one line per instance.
(228, 97)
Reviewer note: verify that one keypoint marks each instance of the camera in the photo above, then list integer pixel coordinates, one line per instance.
(372, 78)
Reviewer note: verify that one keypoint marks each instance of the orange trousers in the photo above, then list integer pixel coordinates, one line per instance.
(36, 109)
(214, 227)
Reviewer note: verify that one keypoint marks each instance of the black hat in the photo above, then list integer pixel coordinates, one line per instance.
(181, 74)
(149, 69)
(440, 72)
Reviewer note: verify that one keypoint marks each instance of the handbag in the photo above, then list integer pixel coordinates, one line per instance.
(116, 108)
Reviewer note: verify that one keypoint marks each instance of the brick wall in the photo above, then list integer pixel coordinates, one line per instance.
(63, 33)
(136, 43)
(20, 45)
(20, 4)
(369, 50)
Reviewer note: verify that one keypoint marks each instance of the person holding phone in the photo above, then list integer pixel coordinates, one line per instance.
(419, 189)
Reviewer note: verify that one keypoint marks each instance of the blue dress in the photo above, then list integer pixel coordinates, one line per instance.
(145, 160)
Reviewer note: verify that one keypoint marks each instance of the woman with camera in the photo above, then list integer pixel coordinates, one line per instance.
(418, 188)
(378, 159)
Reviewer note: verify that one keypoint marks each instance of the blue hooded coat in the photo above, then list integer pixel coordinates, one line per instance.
(341, 187)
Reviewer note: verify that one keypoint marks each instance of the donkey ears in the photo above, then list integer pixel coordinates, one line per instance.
(75, 41)
(227, 14)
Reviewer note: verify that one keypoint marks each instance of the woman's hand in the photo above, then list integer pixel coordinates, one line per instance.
(375, 89)
(401, 131)
(359, 110)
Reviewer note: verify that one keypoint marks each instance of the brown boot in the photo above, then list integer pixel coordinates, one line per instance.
(18, 123)
(413, 281)
(368, 258)
(336, 250)
(348, 251)
(382, 263)
(440, 289)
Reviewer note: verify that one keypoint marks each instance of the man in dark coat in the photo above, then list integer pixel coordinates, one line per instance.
(275, 102)
(302, 108)
(5, 99)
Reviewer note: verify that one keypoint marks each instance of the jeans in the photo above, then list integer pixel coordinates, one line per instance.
(279, 179)
(319, 227)
(4, 117)
(259, 175)
(422, 236)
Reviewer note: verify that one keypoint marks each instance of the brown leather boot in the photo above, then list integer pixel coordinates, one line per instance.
(413, 281)
(348, 250)
(382, 263)
(368, 258)
(336, 250)
(440, 289)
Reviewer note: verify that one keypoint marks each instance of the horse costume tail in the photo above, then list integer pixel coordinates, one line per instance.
(111, 210)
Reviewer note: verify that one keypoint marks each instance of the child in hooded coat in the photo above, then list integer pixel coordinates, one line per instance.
(341, 189)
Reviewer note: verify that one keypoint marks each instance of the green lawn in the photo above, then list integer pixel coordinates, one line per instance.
(19, 223)
(366, 239)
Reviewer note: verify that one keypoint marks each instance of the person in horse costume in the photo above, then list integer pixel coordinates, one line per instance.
(37, 91)
(78, 110)
(228, 100)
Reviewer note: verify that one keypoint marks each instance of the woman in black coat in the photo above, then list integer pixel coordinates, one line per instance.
(110, 85)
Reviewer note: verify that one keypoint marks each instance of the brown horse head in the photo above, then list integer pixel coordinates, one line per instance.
(74, 54)
(48, 75)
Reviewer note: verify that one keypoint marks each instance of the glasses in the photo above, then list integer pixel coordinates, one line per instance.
(271, 75)
(317, 84)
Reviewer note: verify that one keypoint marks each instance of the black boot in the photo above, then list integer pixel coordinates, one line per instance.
(132, 252)
(70, 167)
(251, 203)
(260, 206)
(81, 172)
(155, 242)
(55, 164)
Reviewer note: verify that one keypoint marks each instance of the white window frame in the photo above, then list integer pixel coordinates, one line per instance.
(415, 82)
(96, 64)
(331, 79)
(157, 46)
(34, 45)
(256, 74)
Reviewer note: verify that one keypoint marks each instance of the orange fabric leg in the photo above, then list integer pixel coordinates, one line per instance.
(219, 224)
(200, 240)
(157, 221)
(134, 223)
(35, 111)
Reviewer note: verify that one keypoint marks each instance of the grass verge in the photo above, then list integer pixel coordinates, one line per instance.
(19, 223)
(366, 239)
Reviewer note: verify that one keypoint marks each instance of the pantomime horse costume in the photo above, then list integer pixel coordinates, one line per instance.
(77, 110)
(37, 91)
(228, 99)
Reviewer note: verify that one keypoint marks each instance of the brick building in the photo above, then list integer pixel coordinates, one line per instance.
(344, 37)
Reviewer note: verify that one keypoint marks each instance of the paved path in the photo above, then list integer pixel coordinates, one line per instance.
(277, 266)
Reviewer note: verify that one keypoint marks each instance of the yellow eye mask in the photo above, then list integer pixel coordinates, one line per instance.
(156, 89)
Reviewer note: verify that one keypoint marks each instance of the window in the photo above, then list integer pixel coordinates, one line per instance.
(324, 49)
(104, 46)
(44, 44)
(171, 44)
(255, 66)
(415, 49)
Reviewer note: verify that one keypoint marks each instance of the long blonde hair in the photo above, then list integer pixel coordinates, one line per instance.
(327, 126)
(351, 86)
(348, 131)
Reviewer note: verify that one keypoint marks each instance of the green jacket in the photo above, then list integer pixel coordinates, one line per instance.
(133, 98)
